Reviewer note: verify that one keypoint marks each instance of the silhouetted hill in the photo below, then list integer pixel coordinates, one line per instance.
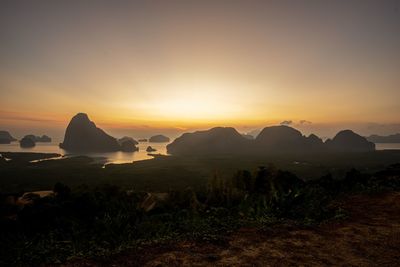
(83, 135)
(281, 139)
(393, 138)
(348, 141)
(127, 138)
(219, 140)
(128, 146)
(271, 140)
(159, 139)
(6, 138)
(27, 142)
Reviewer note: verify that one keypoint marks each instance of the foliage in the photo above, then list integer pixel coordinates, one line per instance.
(86, 222)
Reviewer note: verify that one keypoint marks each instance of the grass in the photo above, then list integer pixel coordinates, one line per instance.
(104, 220)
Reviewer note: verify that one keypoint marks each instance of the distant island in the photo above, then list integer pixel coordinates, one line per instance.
(6, 138)
(127, 138)
(150, 149)
(27, 142)
(159, 139)
(82, 135)
(271, 140)
(394, 138)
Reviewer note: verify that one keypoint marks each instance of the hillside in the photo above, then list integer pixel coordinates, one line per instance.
(362, 239)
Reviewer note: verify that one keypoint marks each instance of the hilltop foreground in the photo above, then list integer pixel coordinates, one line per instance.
(369, 236)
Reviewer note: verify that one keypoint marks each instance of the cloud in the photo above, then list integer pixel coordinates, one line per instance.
(305, 122)
(14, 116)
(288, 122)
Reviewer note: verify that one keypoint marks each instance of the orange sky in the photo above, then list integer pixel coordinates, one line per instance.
(180, 66)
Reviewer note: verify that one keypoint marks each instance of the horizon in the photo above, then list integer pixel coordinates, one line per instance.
(144, 68)
(143, 131)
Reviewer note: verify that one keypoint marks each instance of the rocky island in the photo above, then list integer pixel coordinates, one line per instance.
(159, 139)
(82, 135)
(6, 138)
(27, 142)
(271, 140)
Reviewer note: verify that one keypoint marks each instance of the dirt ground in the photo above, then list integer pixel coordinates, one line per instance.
(370, 236)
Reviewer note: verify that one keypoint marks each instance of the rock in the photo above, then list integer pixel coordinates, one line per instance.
(159, 139)
(219, 140)
(281, 139)
(314, 143)
(142, 140)
(127, 138)
(271, 140)
(150, 149)
(129, 146)
(6, 138)
(348, 141)
(27, 142)
(82, 135)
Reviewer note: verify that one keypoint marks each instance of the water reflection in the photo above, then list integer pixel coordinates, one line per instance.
(111, 157)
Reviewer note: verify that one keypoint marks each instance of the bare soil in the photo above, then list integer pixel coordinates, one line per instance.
(370, 236)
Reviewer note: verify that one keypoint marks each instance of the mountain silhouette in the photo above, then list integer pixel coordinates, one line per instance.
(128, 146)
(219, 140)
(271, 140)
(159, 139)
(27, 142)
(6, 138)
(82, 135)
(349, 141)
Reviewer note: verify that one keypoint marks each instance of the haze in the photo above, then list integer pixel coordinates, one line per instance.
(173, 66)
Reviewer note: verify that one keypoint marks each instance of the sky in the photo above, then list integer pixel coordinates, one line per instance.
(143, 67)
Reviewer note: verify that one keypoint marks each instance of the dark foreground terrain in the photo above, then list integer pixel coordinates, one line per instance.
(175, 211)
(173, 172)
(369, 236)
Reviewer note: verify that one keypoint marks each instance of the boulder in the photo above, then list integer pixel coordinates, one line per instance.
(129, 146)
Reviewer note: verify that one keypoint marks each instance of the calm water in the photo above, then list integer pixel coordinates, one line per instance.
(112, 157)
(123, 157)
(383, 146)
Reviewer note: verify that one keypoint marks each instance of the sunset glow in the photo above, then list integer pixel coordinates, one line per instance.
(189, 66)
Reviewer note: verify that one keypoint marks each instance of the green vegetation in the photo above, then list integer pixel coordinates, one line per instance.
(99, 221)
(176, 173)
